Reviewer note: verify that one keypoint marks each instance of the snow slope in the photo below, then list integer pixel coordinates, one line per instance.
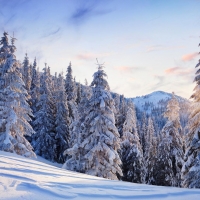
(22, 178)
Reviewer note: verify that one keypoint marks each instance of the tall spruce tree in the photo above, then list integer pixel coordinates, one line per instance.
(191, 168)
(35, 87)
(27, 73)
(70, 88)
(171, 147)
(121, 116)
(62, 121)
(150, 153)
(14, 110)
(96, 153)
(45, 143)
(131, 150)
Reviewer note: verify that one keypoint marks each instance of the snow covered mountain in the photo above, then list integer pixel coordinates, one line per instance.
(154, 105)
(27, 179)
(155, 99)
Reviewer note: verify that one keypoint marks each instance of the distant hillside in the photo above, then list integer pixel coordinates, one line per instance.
(154, 105)
(155, 99)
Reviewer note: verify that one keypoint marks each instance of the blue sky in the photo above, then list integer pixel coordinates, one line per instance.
(146, 45)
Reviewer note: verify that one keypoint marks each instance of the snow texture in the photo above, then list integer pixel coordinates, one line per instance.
(22, 178)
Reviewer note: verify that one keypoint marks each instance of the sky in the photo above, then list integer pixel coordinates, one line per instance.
(145, 45)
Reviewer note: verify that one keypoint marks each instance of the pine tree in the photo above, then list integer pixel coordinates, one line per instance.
(150, 153)
(27, 73)
(191, 168)
(96, 152)
(78, 99)
(69, 84)
(44, 123)
(35, 87)
(70, 88)
(173, 143)
(62, 121)
(121, 116)
(14, 110)
(116, 98)
(143, 131)
(131, 151)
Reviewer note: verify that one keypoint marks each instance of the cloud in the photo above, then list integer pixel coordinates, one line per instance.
(52, 32)
(178, 71)
(155, 48)
(162, 47)
(92, 56)
(172, 70)
(189, 57)
(127, 69)
(88, 10)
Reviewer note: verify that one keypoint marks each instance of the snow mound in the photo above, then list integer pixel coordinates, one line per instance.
(22, 178)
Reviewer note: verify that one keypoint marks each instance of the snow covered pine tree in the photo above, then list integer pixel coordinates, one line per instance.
(191, 167)
(14, 110)
(97, 152)
(62, 121)
(131, 150)
(44, 141)
(170, 150)
(150, 153)
(70, 88)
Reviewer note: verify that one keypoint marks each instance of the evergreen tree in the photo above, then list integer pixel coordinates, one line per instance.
(27, 73)
(191, 168)
(14, 109)
(96, 153)
(62, 121)
(121, 116)
(69, 84)
(143, 132)
(44, 123)
(171, 141)
(35, 87)
(150, 153)
(116, 98)
(70, 88)
(131, 151)
(78, 99)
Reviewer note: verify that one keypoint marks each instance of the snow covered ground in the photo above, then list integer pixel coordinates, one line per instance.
(30, 179)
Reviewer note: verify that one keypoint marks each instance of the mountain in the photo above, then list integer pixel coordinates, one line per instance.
(26, 179)
(154, 105)
(155, 99)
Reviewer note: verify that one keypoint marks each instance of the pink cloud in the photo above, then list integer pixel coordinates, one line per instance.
(179, 71)
(172, 70)
(91, 56)
(127, 69)
(189, 57)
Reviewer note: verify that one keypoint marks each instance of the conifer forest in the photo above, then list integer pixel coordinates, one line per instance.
(90, 129)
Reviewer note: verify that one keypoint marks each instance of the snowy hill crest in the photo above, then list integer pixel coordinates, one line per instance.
(154, 99)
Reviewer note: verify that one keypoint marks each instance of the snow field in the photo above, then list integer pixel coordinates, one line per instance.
(28, 179)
